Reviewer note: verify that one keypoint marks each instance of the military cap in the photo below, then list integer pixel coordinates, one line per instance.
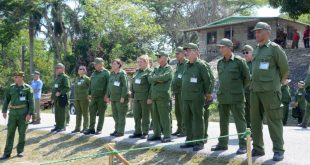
(162, 53)
(179, 49)
(19, 73)
(190, 46)
(59, 65)
(301, 82)
(225, 42)
(262, 25)
(247, 47)
(36, 73)
(98, 60)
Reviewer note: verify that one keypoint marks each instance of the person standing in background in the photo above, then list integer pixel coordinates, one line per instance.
(36, 85)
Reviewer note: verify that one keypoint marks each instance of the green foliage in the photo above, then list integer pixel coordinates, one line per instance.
(294, 8)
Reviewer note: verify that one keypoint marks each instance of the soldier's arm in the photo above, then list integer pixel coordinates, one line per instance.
(281, 61)
(212, 79)
(124, 91)
(245, 74)
(66, 87)
(106, 84)
(166, 76)
(307, 81)
(7, 100)
(30, 102)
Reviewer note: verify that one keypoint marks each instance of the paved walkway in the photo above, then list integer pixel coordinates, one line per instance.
(297, 140)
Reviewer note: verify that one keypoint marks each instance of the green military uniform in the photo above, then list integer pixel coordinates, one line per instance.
(117, 89)
(98, 89)
(247, 105)
(196, 84)
(307, 110)
(207, 104)
(270, 67)
(62, 85)
(286, 99)
(301, 100)
(160, 80)
(81, 102)
(20, 101)
(176, 89)
(234, 76)
(141, 92)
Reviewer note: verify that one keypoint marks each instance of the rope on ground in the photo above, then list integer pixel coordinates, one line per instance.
(92, 156)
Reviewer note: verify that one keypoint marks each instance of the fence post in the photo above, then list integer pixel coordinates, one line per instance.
(249, 148)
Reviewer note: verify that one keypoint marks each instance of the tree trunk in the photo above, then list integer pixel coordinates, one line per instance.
(31, 42)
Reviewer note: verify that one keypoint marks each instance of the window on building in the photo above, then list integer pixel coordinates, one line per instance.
(290, 32)
(251, 34)
(227, 33)
(211, 37)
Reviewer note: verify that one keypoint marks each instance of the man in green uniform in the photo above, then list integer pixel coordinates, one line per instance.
(118, 94)
(81, 102)
(208, 102)
(60, 95)
(19, 99)
(300, 101)
(140, 89)
(196, 89)
(176, 89)
(270, 68)
(234, 76)
(247, 51)
(160, 80)
(98, 89)
(307, 111)
(286, 99)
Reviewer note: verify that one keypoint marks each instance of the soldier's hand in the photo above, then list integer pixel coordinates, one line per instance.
(28, 117)
(89, 97)
(149, 101)
(122, 100)
(4, 115)
(57, 94)
(106, 99)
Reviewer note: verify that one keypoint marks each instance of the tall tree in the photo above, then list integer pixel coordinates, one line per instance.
(294, 8)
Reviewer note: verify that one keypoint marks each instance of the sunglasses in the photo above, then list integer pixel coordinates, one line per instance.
(81, 69)
(245, 52)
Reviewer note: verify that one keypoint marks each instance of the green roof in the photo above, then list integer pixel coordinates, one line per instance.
(232, 20)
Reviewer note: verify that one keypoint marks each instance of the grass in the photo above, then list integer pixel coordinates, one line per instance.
(42, 146)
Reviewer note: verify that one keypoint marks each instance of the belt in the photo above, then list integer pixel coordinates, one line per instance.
(12, 107)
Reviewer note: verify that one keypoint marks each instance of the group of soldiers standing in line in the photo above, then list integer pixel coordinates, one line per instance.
(250, 89)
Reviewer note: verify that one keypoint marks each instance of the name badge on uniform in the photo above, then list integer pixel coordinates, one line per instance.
(299, 94)
(56, 85)
(264, 65)
(79, 83)
(138, 81)
(116, 83)
(22, 98)
(179, 75)
(193, 80)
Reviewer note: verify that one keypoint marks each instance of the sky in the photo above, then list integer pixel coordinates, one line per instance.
(267, 11)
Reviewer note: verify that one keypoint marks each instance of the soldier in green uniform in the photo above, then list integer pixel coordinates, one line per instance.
(208, 102)
(81, 102)
(195, 91)
(286, 99)
(60, 95)
(140, 89)
(19, 100)
(306, 117)
(247, 51)
(300, 101)
(270, 68)
(176, 89)
(118, 95)
(160, 80)
(97, 93)
(234, 76)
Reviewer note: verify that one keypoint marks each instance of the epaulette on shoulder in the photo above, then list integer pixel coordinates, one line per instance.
(274, 44)
(12, 85)
(238, 57)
